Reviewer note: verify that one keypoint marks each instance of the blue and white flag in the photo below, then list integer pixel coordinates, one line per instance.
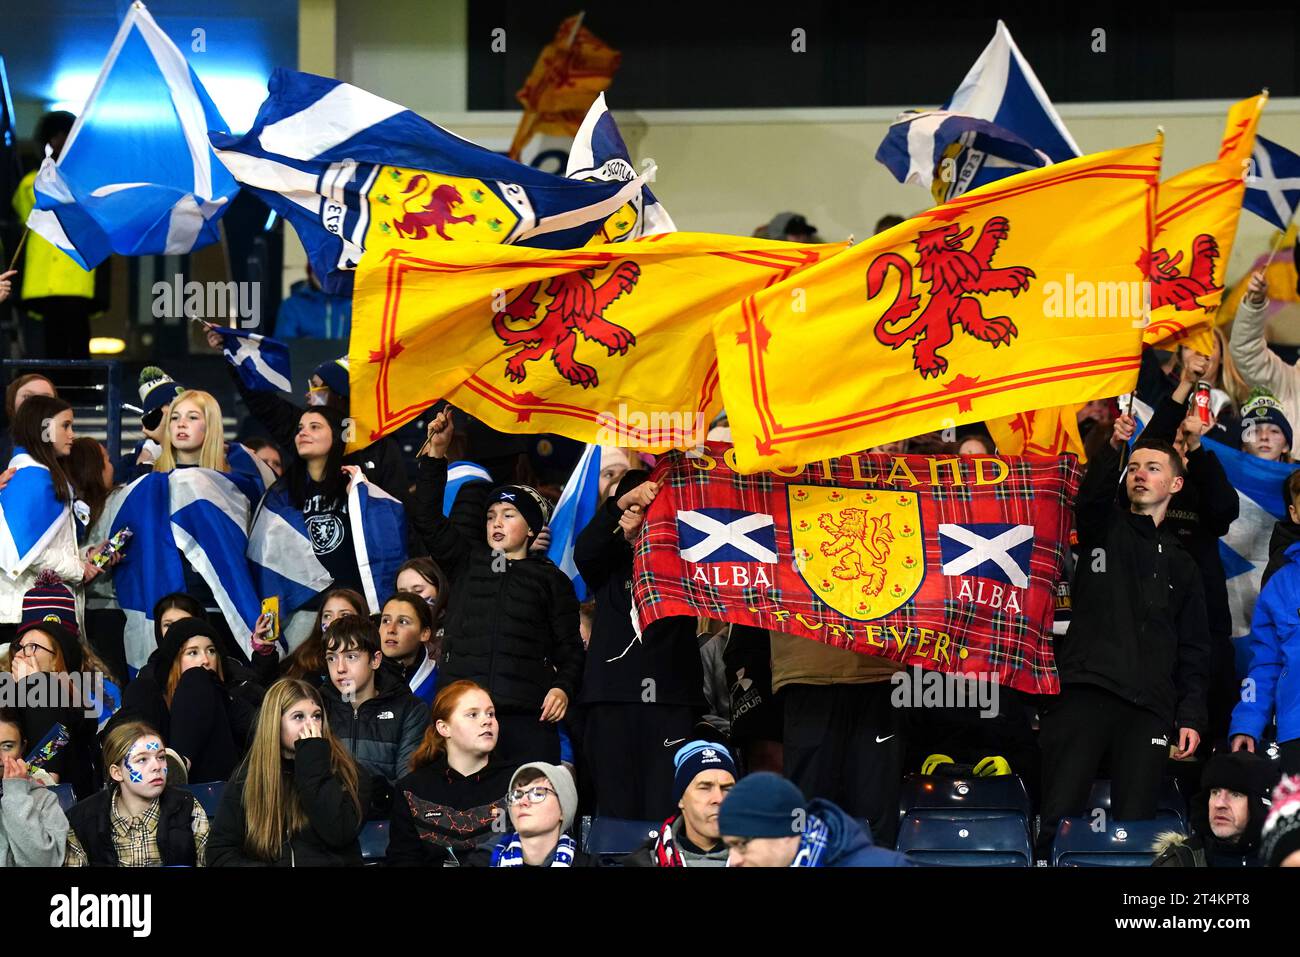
(994, 550)
(726, 535)
(317, 149)
(1002, 88)
(200, 514)
(599, 154)
(262, 362)
(285, 565)
(30, 515)
(1273, 183)
(459, 474)
(578, 503)
(979, 152)
(137, 175)
(1244, 550)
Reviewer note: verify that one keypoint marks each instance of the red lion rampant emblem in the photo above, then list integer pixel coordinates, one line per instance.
(577, 306)
(1171, 287)
(954, 274)
(437, 212)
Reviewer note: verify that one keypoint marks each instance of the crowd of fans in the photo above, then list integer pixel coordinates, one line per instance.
(480, 708)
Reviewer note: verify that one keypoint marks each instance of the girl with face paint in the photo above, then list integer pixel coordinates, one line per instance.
(139, 819)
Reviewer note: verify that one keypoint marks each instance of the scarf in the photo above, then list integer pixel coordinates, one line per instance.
(665, 848)
(510, 852)
(812, 843)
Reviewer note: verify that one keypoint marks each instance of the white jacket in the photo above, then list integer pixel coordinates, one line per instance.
(1259, 365)
(62, 556)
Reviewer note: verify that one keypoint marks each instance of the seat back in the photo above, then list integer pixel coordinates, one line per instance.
(208, 794)
(1169, 802)
(998, 840)
(971, 797)
(374, 841)
(1082, 842)
(609, 838)
(65, 795)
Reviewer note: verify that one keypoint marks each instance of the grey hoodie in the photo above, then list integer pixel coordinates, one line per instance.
(33, 827)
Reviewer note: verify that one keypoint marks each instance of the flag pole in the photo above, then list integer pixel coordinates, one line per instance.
(1281, 238)
(19, 248)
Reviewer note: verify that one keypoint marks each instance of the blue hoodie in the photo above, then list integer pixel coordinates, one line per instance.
(1274, 657)
(848, 843)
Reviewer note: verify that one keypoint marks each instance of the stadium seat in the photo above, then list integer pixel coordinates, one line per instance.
(374, 842)
(208, 795)
(1119, 844)
(609, 838)
(999, 839)
(65, 795)
(969, 798)
(1169, 803)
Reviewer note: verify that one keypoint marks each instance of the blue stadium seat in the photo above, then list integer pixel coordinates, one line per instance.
(609, 838)
(208, 795)
(65, 795)
(969, 798)
(374, 842)
(1169, 803)
(996, 840)
(1119, 844)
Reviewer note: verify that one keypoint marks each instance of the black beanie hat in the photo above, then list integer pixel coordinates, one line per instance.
(1239, 771)
(179, 633)
(529, 502)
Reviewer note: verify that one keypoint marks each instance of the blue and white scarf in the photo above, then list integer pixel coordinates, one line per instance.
(812, 843)
(510, 852)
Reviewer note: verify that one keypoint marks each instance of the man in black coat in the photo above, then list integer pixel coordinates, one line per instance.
(642, 692)
(1133, 663)
(1200, 514)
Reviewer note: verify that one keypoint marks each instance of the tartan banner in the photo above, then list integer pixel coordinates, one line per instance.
(945, 562)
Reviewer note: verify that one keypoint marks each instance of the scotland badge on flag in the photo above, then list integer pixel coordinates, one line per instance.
(726, 535)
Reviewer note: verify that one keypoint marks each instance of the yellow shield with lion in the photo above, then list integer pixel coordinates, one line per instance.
(861, 551)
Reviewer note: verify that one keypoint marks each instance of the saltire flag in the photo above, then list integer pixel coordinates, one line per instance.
(578, 503)
(599, 154)
(459, 474)
(945, 562)
(951, 153)
(1196, 223)
(1273, 186)
(1244, 550)
(30, 515)
(354, 172)
(528, 340)
(250, 474)
(262, 362)
(148, 186)
(1053, 431)
(196, 512)
(1002, 88)
(284, 563)
(982, 307)
(568, 74)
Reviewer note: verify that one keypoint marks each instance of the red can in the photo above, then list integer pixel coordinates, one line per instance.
(1202, 400)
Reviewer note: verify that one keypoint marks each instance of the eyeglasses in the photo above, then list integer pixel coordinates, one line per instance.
(30, 648)
(535, 795)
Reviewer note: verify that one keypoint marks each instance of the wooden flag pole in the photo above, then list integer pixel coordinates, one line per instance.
(19, 248)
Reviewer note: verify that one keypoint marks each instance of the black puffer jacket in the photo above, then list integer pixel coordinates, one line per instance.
(1139, 627)
(92, 821)
(333, 821)
(618, 663)
(383, 732)
(513, 631)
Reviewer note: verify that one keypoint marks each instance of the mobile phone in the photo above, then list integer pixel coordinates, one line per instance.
(271, 614)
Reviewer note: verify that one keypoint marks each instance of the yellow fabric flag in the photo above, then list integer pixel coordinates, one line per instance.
(1051, 431)
(569, 73)
(1196, 224)
(602, 345)
(990, 304)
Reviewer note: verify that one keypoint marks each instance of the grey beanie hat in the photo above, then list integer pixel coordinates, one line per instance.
(565, 789)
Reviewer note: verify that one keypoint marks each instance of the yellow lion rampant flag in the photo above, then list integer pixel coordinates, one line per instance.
(1196, 224)
(602, 345)
(1053, 431)
(1022, 294)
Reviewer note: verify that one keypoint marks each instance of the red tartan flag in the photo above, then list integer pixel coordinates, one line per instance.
(945, 562)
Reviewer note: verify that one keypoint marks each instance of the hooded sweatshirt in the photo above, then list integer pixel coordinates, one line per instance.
(1274, 657)
(848, 843)
(33, 827)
